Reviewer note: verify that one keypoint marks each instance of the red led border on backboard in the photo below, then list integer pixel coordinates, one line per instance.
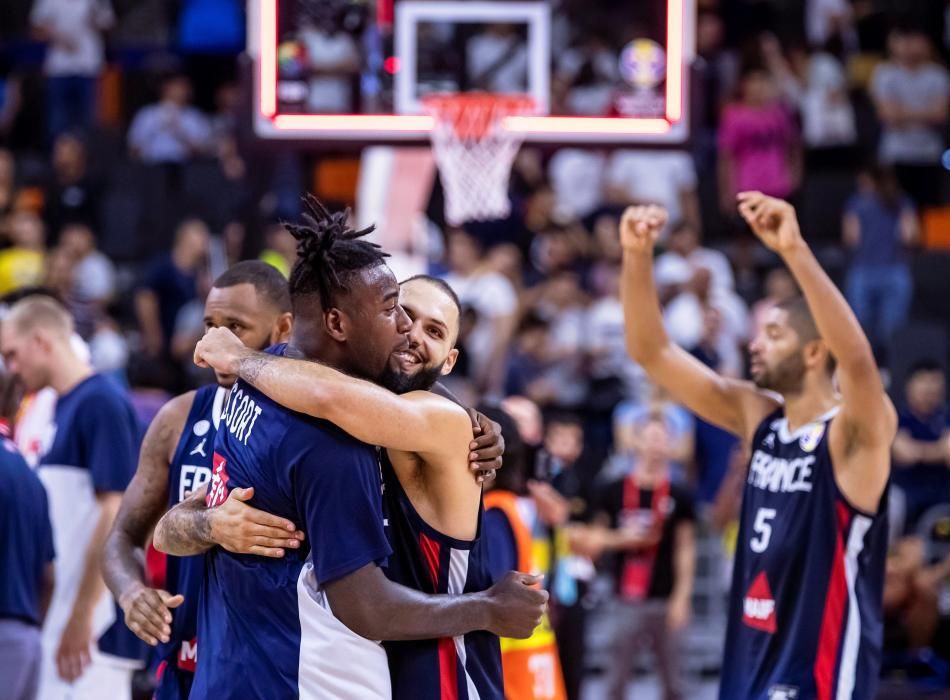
(376, 125)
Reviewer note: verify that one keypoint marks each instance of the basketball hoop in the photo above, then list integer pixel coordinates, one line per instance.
(474, 151)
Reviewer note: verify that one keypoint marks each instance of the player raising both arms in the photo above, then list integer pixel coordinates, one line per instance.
(805, 607)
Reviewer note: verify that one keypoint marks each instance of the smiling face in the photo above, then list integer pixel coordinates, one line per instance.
(431, 354)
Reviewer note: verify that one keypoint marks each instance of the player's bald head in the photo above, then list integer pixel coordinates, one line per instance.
(40, 313)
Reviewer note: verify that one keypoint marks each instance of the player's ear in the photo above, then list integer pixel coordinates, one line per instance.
(815, 353)
(335, 323)
(450, 361)
(282, 328)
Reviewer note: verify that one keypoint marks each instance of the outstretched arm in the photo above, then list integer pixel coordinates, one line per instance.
(733, 405)
(415, 422)
(867, 417)
(376, 608)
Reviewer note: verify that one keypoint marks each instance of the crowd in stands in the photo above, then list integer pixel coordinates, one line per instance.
(128, 182)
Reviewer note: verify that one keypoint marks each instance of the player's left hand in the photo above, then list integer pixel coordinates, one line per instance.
(73, 654)
(772, 220)
(487, 448)
(678, 613)
(221, 350)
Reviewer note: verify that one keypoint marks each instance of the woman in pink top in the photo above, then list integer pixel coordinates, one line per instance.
(758, 142)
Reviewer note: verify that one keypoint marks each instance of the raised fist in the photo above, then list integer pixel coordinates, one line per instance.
(641, 226)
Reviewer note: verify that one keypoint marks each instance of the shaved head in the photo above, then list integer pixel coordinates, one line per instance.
(35, 312)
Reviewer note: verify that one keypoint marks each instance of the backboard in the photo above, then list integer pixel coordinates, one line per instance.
(349, 71)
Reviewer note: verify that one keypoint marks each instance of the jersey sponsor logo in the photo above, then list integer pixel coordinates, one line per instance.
(192, 478)
(769, 441)
(241, 414)
(218, 493)
(188, 655)
(783, 692)
(758, 606)
(201, 428)
(809, 441)
(780, 475)
(199, 449)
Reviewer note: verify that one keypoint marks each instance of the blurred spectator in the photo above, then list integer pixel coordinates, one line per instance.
(519, 540)
(280, 248)
(879, 224)
(333, 58)
(497, 60)
(817, 86)
(585, 77)
(72, 195)
(630, 418)
(828, 19)
(528, 360)
(649, 521)
(171, 281)
(912, 94)
(604, 344)
(563, 495)
(577, 177)
(94, 273)
(758, 142)
(922, 447)
(493, 298)
(26, 559)
(170, 131)
(665, 178)
(74, 58)
(779, 286)
(21, 265)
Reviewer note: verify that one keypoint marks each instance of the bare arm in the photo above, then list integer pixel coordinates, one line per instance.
(684, 561)
(850, 230)
(47, 586)
(731, 404)
(909, 227)
(867, 419)
(91, 585)
(146, 609)
(908, 451)
(193, 528)
(418, 422)
(374, 607)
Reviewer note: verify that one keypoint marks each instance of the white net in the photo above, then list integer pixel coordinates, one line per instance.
(474, 153)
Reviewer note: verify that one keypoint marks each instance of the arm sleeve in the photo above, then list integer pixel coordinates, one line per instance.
(500, 544)
(110, 442)
(338, 493)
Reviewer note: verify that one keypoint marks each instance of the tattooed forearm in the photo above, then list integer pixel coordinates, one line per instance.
(186, 528)
(143, 502)
(252, 366)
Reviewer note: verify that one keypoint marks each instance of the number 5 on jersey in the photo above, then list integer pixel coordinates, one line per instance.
(763, 530)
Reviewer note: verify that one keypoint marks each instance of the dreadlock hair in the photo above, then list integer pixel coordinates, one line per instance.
(329, 253)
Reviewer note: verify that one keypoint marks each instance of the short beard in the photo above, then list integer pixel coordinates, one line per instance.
(399, 382)
(788, 377)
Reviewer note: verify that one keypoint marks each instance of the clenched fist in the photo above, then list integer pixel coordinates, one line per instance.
(640, 227)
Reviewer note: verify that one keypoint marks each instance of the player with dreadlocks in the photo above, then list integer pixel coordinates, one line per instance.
(301, 625)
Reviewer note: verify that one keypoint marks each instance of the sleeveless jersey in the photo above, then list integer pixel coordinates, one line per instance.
(531, 666)
(458, 668)
(805, 618)
(189, 470)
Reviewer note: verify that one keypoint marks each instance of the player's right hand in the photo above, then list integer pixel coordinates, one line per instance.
(147, 613)
(640, 227)
(243, 529)
(517, 605)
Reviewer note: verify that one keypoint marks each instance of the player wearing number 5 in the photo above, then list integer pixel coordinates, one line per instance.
(805, 607)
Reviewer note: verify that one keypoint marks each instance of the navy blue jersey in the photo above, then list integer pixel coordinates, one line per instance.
(466, 667)
(266, 628)
(189, 470)
(805, 618)
(92, 448)
(26, 537)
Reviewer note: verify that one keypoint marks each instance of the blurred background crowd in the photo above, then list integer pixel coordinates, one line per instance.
(129, 180)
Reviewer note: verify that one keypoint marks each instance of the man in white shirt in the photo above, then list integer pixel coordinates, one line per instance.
(74, 58)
